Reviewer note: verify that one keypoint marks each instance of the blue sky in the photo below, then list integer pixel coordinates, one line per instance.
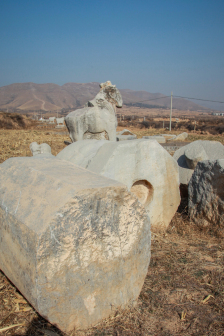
(157, 46)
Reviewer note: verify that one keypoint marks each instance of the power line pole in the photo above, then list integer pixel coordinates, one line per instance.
(171, 102)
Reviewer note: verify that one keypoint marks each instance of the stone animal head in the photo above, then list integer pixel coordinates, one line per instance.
(108, 94)
(111, 93)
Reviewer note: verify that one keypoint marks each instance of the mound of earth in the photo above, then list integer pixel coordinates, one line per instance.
(15, 121)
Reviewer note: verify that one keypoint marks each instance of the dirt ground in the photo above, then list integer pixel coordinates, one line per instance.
(183, 293)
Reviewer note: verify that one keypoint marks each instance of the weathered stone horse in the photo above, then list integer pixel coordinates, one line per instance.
(97, 120)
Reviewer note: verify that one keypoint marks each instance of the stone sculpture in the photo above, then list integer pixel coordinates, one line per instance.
(40, 149)
(75, 244)
(143, 166)
(206, 195)
(51, 120)
(60, 122)
(97, 120)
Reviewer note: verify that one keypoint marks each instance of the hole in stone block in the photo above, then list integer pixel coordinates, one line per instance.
(144, 191)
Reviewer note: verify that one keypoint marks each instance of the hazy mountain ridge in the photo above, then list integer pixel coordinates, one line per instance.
(53, 97)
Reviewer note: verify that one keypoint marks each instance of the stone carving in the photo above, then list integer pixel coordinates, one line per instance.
(40, 149)
(206, 195)
(97, 119)
(60, 122)
(52, 120)
(75, 244)
(143, 166)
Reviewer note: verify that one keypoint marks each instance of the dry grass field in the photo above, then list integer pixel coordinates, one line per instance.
(183, 293)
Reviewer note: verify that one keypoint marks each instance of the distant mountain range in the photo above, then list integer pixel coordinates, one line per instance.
(53, 97)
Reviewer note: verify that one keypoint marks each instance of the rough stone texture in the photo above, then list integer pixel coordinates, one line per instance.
(98, 117)
(142, 165)
(181, 137)
(213, 149)
(158, 138)
(40, 149)
(76, 244)
(206, 195)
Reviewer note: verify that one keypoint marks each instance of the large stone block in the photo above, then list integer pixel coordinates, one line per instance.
(76, 244)
(143, 166)
(206, 195)
(98, 119)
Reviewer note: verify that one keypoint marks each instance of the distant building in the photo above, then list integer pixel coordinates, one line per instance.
(218, 114)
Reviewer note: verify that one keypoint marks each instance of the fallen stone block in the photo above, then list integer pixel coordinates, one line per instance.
(75, 244)
(143, 166)
(188, 156)
(206, 195)
(158, 138)
(181, 137)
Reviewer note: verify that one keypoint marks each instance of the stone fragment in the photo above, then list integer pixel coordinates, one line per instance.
(40, 149)
(158, 138)
(195, 154)
(97, 120)
(181, 137)
(75, 244)
(125, 135)
(213, 149)
(206, 195)
(142, 165)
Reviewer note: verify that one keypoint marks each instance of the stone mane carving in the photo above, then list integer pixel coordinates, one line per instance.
(97, 120)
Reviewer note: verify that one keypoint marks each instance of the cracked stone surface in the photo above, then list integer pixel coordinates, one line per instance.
(75, 244)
